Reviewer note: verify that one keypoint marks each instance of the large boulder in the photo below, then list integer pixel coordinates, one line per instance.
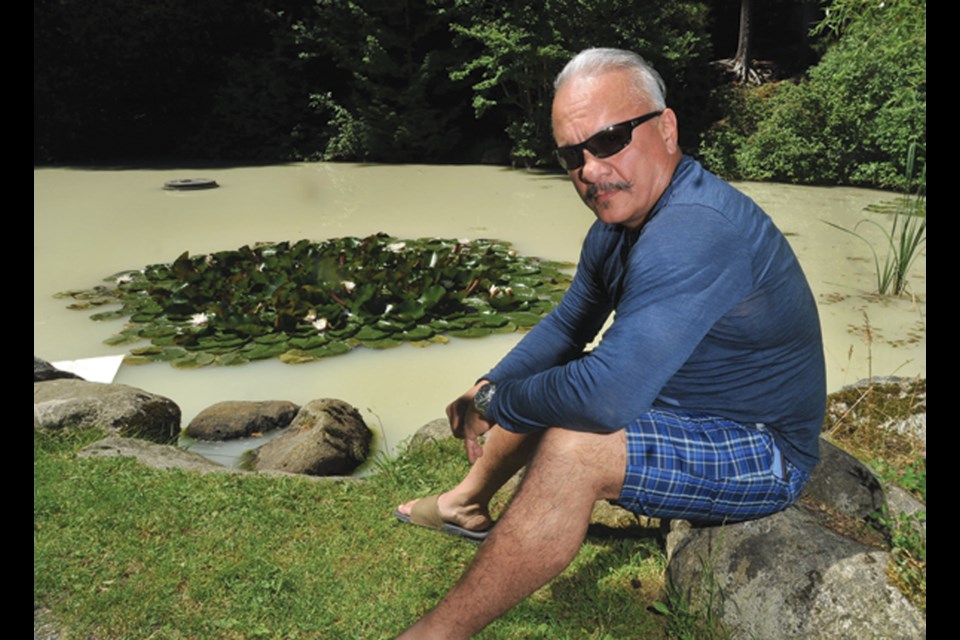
(815, 570)
(790, 575)
(120, 409)
(327, 437)
(241, 419)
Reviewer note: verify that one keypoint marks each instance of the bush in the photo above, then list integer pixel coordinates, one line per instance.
(851, 120)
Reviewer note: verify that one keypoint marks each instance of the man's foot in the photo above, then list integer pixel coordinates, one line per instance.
(445, 513)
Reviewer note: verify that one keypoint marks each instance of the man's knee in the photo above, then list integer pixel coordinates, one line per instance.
(595, 458)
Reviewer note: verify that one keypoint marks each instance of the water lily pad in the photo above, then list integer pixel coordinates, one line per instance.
(302, 298)
(108, 315)
(232, 359)
(296, 356)
(472, 332)
(193, 360)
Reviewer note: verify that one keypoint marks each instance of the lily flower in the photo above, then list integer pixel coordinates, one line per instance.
(321, 324)
(199, 319)
(349, 285)
(396, 247)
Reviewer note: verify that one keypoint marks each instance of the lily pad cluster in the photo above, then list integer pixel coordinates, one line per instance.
(308, 300)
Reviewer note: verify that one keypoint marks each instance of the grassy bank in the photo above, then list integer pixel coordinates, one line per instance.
(124, 551)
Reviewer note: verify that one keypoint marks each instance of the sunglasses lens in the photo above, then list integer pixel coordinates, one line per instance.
(611, 141)
(570, 158)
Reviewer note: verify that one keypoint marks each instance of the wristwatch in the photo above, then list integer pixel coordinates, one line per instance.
(481, 400)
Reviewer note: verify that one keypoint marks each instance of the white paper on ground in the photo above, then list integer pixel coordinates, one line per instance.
(99, 369)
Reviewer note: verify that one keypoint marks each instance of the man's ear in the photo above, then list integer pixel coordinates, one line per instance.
(667, 126)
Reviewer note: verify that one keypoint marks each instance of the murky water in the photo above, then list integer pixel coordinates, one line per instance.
(89, 224)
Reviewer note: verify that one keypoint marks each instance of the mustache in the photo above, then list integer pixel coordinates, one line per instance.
(603, 187)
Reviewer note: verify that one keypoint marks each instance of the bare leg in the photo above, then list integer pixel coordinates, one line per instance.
(467, 504)
(539, 534)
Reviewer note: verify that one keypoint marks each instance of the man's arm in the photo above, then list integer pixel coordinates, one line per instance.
(466, 423)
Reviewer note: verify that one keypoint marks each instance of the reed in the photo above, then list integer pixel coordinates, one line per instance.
(906, 235)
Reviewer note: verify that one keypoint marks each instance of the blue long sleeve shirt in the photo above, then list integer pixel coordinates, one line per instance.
(712, 313)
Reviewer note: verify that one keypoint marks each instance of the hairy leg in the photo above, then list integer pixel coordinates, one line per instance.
(539, 534)
(467, 504)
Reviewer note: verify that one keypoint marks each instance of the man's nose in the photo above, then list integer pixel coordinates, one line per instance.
(593, 168)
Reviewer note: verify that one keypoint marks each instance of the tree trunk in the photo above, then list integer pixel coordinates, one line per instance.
(741, 61)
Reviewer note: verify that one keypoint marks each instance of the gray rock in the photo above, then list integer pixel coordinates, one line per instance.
(43, 370)
(327, 437)
(815, 570)
(241, 419)
(157, 456)
(438, 429)
(845, 483)
(118, 408)
(788, 576)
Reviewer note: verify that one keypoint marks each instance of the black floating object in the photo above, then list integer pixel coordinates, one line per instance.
(190, 184)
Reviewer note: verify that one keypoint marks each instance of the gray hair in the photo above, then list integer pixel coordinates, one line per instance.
(594, 62)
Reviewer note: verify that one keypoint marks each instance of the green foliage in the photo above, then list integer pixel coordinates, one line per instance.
(305, 301)
(852, 119)
(521, 46)
(381, 79)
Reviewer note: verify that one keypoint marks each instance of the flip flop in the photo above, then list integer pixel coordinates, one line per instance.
(426, 514)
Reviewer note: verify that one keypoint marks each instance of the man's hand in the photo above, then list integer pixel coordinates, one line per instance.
(466, 423)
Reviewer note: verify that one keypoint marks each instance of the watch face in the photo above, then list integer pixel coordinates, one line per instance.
(482, 398)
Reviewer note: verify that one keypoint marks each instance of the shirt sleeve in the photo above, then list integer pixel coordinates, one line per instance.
(562, 335)
(688, 268)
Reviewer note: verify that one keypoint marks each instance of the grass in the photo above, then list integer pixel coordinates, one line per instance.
(124, 551)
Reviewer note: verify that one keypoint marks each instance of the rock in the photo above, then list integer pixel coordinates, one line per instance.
(788, 576)
(43, 370)
(844, 483)
(438, 429)
(165, 456)
(158, 456)
(120, 409)
(327, 437)
(816, 570)
(241, 419)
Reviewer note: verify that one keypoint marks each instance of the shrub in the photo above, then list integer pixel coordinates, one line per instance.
(851, 120)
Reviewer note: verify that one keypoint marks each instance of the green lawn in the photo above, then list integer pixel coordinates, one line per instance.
(124, 551)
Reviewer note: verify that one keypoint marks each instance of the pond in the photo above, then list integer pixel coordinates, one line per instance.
(90, 223)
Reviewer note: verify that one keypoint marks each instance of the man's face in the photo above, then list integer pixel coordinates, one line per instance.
(622, 188)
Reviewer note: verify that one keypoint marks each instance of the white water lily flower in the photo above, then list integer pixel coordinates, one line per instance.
(125, 278)
(321, 324)
(494, 290)
(349, 285)
(199, 319)
(311, 316)
(396, 247)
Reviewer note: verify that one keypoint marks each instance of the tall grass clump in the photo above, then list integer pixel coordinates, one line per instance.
(904, 237)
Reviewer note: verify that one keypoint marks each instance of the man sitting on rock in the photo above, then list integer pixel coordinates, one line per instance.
(705, 397)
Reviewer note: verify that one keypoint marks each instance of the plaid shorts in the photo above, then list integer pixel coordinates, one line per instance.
(705, 469)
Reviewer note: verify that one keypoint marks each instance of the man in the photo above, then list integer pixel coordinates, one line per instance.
(704, 398)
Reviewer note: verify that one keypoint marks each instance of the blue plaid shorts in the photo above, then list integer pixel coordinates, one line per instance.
(705, 469)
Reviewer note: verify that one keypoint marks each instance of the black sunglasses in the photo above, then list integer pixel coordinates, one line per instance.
(602, 144)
